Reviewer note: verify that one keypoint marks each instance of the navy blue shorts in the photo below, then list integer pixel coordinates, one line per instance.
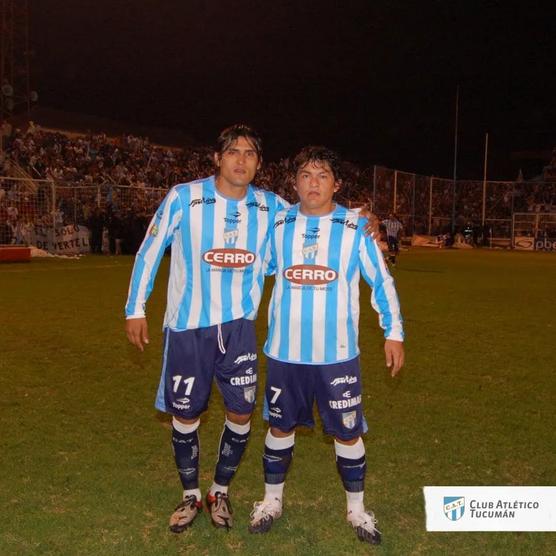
(192, 358)
(393, 244)
(291, 390)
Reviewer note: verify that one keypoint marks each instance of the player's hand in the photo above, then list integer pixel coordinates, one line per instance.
(137, 332)
(371, 227)
(395, 356)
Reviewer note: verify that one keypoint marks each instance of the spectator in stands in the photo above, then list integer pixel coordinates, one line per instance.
(102, 163)
(114, 225)
(96, 227)
(5, 228)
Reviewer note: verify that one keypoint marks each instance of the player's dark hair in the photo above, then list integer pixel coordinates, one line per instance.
(233, 133)
(319, 154)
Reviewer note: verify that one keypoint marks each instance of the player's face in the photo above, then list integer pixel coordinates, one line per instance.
(237, 167)
(315, 184)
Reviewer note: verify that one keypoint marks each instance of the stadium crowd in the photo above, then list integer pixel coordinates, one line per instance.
(115, 183)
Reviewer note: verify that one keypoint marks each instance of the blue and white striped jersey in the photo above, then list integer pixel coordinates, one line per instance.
(218, 247)
(314, 310)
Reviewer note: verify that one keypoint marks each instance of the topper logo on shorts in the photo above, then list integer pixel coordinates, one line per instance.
(311, 275)
(229, 258)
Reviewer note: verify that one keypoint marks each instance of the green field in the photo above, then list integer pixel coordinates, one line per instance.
(86, 464)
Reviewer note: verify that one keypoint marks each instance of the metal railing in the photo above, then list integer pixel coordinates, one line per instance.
(422, 203)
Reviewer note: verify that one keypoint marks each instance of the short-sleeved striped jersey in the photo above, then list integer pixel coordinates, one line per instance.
(314, 309)
(392, 226)
(218, 247)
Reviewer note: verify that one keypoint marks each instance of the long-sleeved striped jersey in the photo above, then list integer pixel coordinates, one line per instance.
(314, 309)
(218, 247)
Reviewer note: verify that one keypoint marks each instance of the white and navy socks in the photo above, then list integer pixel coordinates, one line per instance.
(232, 445)
(351, 464)
(185, 442)
(278, 453)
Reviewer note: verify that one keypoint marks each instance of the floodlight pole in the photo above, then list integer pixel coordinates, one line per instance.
(14, 56)
(485, 179)
(455, 162)
(430, 205)
(395, 191)
(374, 189)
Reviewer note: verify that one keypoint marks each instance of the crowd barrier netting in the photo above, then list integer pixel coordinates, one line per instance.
(31, 209)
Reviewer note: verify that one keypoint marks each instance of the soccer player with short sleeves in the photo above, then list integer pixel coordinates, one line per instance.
(318, 253)
(393, 230)
(217, 228)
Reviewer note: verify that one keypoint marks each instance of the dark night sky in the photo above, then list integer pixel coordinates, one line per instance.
(374, 79)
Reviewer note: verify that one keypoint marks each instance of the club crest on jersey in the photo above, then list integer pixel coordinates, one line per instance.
(249, 394)
(348, 419)
(229, 258)
(310, 274)
(454, 507)
(230, 236)
(310, 251)
(154, 230)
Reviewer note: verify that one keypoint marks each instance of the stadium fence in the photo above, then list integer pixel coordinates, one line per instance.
(423, 203)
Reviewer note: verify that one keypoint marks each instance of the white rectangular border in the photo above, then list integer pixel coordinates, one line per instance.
(493, 508)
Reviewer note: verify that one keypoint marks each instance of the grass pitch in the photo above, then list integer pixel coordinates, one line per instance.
(86, 460)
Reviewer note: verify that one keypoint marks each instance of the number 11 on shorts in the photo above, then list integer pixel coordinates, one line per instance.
(187, 381)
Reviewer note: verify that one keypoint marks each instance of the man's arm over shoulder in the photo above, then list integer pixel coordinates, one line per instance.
(279, 202)
(270, 263)
(369, 221)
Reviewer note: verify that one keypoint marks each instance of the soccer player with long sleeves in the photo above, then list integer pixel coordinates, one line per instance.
(217, 228)
(318, 252)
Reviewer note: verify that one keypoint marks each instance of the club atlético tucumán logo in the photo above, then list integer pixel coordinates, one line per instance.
(454, 507)
(229, 258)
(310, 275)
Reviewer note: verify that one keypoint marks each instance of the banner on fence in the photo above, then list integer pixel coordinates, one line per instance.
(524, 243)
(545, 243)
(64, 240)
